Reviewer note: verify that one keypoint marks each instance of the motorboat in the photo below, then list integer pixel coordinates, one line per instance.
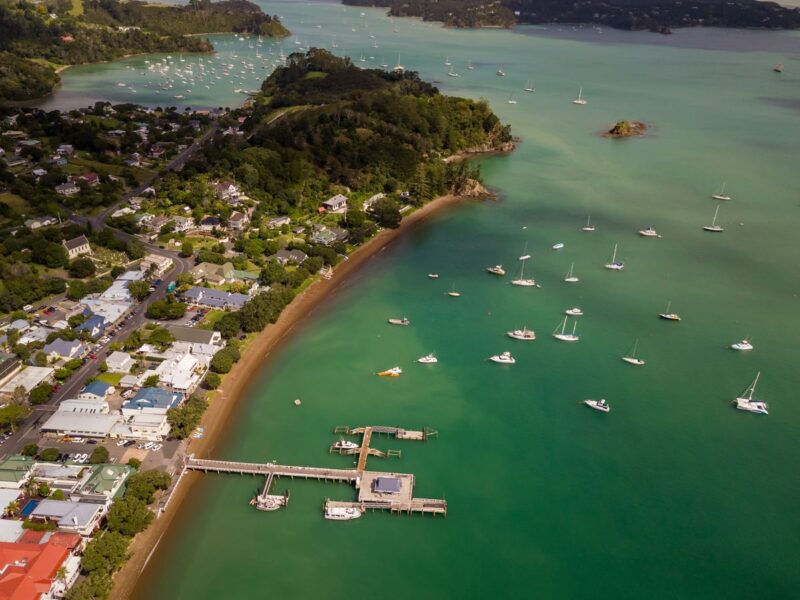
(523, 334)
(558, 246)
(403, 321)
(562, 335)
(574, 312)
(345, 445)
(748, 403)
(614, 264)
(433, 276)
(631, 357)
(501, 73)
(496, 270)
(570, 277)
(743, 346)
(669, 316)
(504, 358)
(600, 405)
(393, 372)
(340, 513)
(428, 359)
(649, 232)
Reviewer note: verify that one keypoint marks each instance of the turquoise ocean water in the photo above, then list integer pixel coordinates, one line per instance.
(674, 494)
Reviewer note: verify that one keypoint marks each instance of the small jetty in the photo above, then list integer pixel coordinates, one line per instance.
(377, 490)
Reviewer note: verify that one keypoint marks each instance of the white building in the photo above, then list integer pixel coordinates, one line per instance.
(181, 374)
(335, 204)
(160, 264)
(119, 362)
(28, 378)
(77, 246)
(95, 425)
(92, 406)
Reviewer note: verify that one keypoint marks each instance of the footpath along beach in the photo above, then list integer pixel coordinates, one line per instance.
(237, 382)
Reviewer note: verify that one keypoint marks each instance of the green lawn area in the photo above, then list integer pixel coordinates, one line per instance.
(110, 378)
(141, 175)
(315, 75)
(211, 317)
(77, 8)
(17, 203)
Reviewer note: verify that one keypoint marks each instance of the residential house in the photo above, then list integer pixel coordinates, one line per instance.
(10, 365)
(16, 162)
(156, 264)
(96, 390)
(91, 179)
(119, 362)
(94, 325)
(326, 235)
(181, 374)
(211, 223)
(152, 400)
(65, 149)
(290, 257)
(67, 189)
(335, 204)
(221, 274)
(39, 570)
(28, 378)
(277, 222)
(370, 202)
(225, 190)
(193, 335)
(238, 221)
(103, 484)
(58, 161)
(156, 223)
(77, 246)
(37, 222)
(78, 517)
(183, 223)
(35, 334)
(15, 471)
(39, 173)
(58, 349)
(211, 298)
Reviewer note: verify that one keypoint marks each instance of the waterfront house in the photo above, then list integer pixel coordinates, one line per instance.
(77, 246)
(221, 274)
(79, 517)
(181, 374)
(39, 566)
(153, 400)
(103, 483)
(290, 257)
(335, 204)
(67, 189)
(211, 298)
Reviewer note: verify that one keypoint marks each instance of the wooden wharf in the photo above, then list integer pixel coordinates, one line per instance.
(370, 495)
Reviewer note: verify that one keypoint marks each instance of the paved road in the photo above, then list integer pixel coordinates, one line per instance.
(29, 430)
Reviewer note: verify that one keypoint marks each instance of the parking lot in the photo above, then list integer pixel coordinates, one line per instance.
(157, 457)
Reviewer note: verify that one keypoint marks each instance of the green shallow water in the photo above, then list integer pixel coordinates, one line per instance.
(674, 494)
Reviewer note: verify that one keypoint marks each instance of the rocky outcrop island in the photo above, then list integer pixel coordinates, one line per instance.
(626, 129)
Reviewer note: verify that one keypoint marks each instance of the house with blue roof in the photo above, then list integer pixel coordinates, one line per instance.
(151, 400)
(96, 390)
(95, 325)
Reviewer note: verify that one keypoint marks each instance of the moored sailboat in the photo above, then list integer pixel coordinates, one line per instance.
(669, 316)
(714, 228)
(631, 357)
(748, 403)
(580, 99)
(562, 335)
(720, 193)
(614, 264)
(570, 277)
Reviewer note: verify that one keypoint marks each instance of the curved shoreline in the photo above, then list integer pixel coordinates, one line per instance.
(237, 383)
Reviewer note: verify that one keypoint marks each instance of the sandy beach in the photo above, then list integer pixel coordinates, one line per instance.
(236, 383)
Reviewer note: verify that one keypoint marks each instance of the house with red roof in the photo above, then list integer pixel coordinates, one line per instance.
(29, 567)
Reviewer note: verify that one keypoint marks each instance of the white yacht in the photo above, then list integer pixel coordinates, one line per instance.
(496, 270)
(631, 357)
(452, 73)
(649, 232)
(529, 86)
(720, 193)
(433, 276)
(742, 346)
(749, 403)
(521, 281)
(428, 359)
(561, 334)
(453, 293)
(669, 316)
(600, 405)
(403, 321)
(614, 264)
(580, 100)
(588, 227)
(570, 277)
(511, 99)
(558, 246)
(345, 445)
(714, 228)
(523, 334)
(335, 513)
(504, 359)
(574, 312)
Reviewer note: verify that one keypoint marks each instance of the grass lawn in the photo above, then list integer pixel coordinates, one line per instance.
(141, 175)
(110, 378)
(17, 203)
(211, 317)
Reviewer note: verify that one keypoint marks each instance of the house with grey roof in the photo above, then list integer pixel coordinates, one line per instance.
(59, 348)
(79, 517)
(67, 189)
(77, 246)
(94, 325)
(211, 298)
(335, 204)
(290, 257)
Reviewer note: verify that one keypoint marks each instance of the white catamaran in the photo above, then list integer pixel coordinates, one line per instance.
(749, 403)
